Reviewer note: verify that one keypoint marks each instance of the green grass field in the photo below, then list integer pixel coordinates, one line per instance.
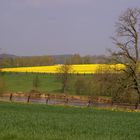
(16, 82)
(23, 82)
(41, 122)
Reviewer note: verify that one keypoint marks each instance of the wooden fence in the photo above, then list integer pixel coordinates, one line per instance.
(54, 99)
(61, 99)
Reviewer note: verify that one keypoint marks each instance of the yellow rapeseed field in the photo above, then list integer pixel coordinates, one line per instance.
(81, 69)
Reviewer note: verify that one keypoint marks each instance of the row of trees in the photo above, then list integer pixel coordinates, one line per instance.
(51, 60)
(27, 61)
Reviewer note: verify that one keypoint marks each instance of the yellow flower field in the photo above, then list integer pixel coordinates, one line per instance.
(81, 69)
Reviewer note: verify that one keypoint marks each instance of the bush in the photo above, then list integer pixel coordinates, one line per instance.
(80, 86)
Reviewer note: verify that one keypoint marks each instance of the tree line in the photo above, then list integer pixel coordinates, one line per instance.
(51, 60)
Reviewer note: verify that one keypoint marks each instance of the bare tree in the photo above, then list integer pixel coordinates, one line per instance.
(63, 75)
(127, 41)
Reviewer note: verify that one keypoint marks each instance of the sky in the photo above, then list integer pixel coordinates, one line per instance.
(50, 27)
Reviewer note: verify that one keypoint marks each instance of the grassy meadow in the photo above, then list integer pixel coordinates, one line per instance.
(23, 82)
(40, 122)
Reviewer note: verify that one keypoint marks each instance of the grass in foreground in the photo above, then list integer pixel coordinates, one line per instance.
(40, 122)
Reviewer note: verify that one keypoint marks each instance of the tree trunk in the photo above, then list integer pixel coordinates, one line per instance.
(47, 99)
(137, 103)
(64, 88)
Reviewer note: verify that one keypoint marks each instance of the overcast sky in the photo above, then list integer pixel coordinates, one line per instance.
(39, 27)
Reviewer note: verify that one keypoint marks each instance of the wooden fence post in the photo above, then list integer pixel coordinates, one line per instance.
(28, 99)
(66, 99)
(47, 99)
(89, 102)
(10, 98)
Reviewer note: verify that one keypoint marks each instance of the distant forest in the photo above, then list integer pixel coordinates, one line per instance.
(7, 60)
